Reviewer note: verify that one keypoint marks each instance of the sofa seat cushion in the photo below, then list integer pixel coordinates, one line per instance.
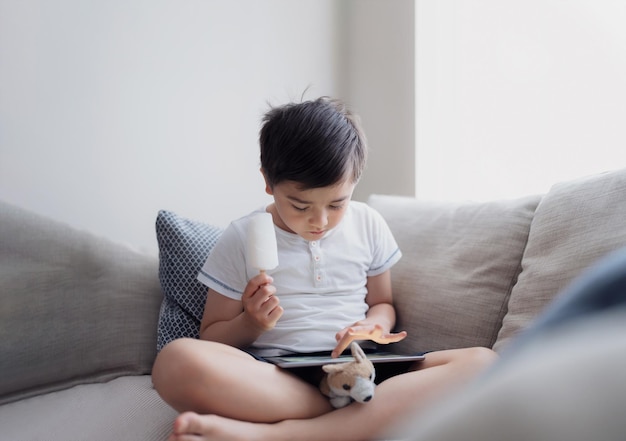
(577, 223)
(460, 261)
(127, 408)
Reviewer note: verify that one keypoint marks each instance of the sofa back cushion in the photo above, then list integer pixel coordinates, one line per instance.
(74, 308)
(184, 245)
(460, 261)
(576, 223)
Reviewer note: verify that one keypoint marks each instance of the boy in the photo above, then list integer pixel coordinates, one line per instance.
(332, 286)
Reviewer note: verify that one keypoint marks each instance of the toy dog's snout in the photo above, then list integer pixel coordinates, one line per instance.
(363, 390)
(351, 381)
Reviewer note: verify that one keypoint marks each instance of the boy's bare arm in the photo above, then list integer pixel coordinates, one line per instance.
(240, 323)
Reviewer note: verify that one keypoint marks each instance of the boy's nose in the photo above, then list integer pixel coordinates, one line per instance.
(319, 220)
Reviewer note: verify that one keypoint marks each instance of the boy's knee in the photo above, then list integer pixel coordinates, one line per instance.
(481, 357)
(170, 362)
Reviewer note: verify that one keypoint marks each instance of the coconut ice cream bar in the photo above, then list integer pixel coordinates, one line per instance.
(262, 253)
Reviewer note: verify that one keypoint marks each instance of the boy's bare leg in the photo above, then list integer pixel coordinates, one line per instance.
(440, 374)
(212, 378)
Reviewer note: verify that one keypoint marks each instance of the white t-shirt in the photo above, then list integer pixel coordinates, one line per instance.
(321, 284)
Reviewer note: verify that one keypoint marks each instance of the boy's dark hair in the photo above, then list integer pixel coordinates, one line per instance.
(314, 143)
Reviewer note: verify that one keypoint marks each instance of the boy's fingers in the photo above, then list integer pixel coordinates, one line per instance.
(259, 294)
(276, 313)
(351, 334)
(255, 283)
(342, 344)
(366, 334)
(393, 338)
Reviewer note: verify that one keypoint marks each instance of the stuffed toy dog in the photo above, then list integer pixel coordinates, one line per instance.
(351, 381)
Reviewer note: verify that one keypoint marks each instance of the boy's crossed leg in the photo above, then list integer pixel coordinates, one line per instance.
(440, 374)
(213, 378)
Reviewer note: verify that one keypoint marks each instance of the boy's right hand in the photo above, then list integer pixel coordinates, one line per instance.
(260, 304)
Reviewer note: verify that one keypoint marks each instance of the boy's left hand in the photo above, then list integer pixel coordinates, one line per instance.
(365, 332)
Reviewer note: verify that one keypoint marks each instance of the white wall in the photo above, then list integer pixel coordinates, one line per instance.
(513, 96)
(112, 110)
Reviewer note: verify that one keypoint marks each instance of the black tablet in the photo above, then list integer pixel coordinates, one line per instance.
(304, 360)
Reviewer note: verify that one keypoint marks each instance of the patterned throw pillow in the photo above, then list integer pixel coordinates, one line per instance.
(183, 248)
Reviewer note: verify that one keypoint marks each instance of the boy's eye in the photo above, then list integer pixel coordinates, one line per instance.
(332, 207)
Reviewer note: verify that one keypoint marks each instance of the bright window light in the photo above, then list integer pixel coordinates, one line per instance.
(514, 96)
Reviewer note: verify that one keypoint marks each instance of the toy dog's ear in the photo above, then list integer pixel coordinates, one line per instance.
(333, 368)
(357, 352)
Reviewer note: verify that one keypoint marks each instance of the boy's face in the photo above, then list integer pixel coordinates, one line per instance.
(309, 213)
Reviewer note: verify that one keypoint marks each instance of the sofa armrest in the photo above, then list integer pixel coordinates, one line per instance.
(75, 308)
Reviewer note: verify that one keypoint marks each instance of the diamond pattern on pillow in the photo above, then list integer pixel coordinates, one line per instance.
(184, 245)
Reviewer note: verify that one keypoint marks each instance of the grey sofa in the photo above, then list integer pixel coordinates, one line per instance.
(79, 315)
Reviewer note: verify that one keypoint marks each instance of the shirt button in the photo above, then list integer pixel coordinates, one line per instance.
(319, 277)
(314, 243)
(317, 258)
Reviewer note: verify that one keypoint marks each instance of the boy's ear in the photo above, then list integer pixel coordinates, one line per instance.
(268, 187)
